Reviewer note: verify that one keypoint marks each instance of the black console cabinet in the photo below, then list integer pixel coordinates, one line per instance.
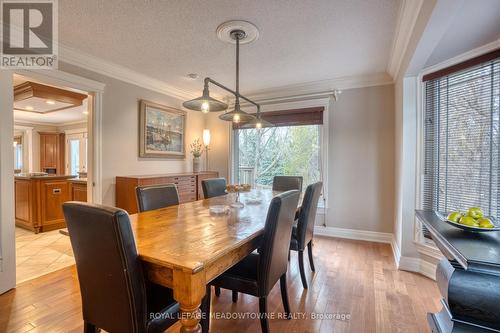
(468, 279)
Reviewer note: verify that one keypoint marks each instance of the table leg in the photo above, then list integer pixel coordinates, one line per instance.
(189, 290)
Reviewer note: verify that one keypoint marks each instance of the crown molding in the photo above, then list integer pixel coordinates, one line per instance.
(407, 17)
(100, 66)
(318, 89)
(463, 57)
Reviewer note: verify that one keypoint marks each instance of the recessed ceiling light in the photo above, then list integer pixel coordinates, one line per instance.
(29, 108)
(193, 76)
(51, 102)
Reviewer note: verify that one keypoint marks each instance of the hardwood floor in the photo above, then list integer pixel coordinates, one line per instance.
(352, 278)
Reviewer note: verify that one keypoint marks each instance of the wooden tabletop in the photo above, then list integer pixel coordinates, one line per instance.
(187, 236)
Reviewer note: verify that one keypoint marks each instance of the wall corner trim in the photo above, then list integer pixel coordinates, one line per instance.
(407, 17)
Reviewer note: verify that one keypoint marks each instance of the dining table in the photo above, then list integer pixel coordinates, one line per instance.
(186, 246)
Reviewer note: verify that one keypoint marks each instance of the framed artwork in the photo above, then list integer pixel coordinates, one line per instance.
(162, 131)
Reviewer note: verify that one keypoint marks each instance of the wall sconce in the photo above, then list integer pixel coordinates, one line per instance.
(206, 142)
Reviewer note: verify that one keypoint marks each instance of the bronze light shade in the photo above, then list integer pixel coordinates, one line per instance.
(237, 115)
(257, 122)
(205, 103)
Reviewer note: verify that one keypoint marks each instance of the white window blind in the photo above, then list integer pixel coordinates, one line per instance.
(462, 140)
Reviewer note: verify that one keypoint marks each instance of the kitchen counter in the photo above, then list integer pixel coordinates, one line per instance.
(78, 181)
(37, 176)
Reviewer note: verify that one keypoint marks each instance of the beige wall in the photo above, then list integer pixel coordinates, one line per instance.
(361, 160)
(120, 127)
(219, 144)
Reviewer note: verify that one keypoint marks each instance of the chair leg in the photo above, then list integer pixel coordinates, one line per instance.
(235, 296)
(89, 328)
(217, 291)
(205, 308)
(310, 253)
(301, 268)
(284, 296)
(264, 324)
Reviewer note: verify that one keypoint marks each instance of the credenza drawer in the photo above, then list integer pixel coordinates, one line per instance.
(187, 187)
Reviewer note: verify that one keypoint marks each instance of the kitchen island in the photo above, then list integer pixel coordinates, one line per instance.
(39, 199)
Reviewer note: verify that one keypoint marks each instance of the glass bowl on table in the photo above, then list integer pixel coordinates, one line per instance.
(238, 188)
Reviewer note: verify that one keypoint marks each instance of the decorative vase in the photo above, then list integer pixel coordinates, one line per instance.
(196, 163)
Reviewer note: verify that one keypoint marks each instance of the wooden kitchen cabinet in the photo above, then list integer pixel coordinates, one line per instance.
(188, 187)
(78, 189)
(52, 153)
(39, 200)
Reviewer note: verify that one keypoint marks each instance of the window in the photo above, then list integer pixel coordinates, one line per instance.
(76, 154)
(291, 147)
(462, 137)
(18, 154)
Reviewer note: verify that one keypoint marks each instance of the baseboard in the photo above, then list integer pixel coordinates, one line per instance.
(418, 265)
(371, 236)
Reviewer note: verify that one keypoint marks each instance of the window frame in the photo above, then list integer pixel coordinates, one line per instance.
(424, 245)
(324, 135)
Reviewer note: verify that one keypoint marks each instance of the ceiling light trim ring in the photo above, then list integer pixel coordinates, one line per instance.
(225, 30)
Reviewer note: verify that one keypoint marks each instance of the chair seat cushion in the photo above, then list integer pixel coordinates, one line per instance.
(162, 308)
(242, 277)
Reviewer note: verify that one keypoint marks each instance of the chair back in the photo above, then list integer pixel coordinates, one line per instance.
(109, 271)
(275, 244)
(307, 216)
(156, 197)
(213, 187)
(287, 183)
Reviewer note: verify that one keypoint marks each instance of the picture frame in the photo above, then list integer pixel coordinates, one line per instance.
(162, 131)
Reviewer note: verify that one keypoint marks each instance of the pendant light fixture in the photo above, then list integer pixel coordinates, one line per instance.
(205, 103)
(234, 32)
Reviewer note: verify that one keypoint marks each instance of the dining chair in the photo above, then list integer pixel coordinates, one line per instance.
(257, 273)
(213, 187)
(287, 183)
(302, 234)
(115, 294)
(156, 197)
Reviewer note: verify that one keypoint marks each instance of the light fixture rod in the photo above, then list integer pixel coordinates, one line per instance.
(220, 85)
(237, 36)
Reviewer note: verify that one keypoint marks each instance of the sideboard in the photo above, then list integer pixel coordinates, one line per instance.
(468, 278)
(188, 185)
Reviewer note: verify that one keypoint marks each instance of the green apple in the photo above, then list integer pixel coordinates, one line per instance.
(454, 217)
(475, 212)
(469, 221)
(485, 222)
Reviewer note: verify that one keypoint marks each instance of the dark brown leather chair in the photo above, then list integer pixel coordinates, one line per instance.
(287, 183)
(213, 187)
(302, 234)
(257, 273)
(156, 197)
(115, 295)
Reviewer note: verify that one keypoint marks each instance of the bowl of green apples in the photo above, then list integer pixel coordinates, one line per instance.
(472, 220)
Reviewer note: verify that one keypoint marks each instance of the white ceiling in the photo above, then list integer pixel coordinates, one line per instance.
(475, 23)
(300, 41)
